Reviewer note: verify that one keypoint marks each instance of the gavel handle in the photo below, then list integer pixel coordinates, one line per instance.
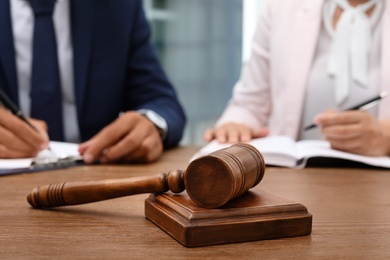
(74, 193)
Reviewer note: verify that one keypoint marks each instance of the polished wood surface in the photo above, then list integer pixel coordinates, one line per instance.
(350, 208)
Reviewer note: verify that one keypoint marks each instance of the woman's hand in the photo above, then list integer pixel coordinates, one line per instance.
(355, 132)
(234, 133)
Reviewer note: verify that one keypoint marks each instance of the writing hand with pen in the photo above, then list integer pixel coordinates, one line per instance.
(18, 139)
(131, 138)
(355, 130)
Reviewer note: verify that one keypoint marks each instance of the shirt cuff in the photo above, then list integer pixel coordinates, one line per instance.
(157, 120)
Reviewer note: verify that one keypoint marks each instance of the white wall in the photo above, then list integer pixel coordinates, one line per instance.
(202, 45)
(199, 43)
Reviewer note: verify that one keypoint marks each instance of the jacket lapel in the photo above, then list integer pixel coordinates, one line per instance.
(304, 36)
(7, 51)
(82, 27)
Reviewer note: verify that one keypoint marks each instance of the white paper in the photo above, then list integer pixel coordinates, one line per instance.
(58, 150)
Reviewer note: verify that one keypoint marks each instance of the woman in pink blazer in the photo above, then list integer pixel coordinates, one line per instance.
(312, 59)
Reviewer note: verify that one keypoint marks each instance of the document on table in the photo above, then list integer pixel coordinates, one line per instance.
(60, 155)
(285, 152)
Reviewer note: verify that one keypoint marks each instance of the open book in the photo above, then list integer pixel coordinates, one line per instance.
(60, 155)
(284, 151)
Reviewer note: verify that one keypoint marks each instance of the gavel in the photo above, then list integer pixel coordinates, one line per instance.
(211, 181)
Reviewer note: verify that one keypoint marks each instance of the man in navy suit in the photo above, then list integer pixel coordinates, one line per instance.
(116, 99)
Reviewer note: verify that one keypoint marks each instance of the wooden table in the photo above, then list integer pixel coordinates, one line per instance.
(350, 207)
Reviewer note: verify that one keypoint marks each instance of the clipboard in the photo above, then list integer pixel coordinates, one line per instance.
(62, 155)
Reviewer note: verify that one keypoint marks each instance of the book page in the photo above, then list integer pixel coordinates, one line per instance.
(58, 150)
(319, 148)
(276, 150)
(284, 151)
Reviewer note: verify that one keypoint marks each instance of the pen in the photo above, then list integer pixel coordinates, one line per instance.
(362, 106)
(7, 102)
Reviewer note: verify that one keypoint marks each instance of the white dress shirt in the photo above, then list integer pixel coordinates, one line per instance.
(22, 25)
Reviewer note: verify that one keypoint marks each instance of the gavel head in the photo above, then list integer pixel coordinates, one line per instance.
(213, 180)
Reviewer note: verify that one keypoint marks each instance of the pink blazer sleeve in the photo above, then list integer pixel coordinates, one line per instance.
(271, 88)
(250, 103)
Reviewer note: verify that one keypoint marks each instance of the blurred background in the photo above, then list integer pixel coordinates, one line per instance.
(202, 45)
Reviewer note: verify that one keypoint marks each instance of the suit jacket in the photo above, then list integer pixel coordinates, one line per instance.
(271, 89)
(115, 66)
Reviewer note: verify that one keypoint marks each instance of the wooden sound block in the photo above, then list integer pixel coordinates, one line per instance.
(256, 215)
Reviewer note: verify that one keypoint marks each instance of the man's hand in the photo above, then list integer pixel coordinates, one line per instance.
(234, 133)
(355, 132)
(18, 139)
(130, 138)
